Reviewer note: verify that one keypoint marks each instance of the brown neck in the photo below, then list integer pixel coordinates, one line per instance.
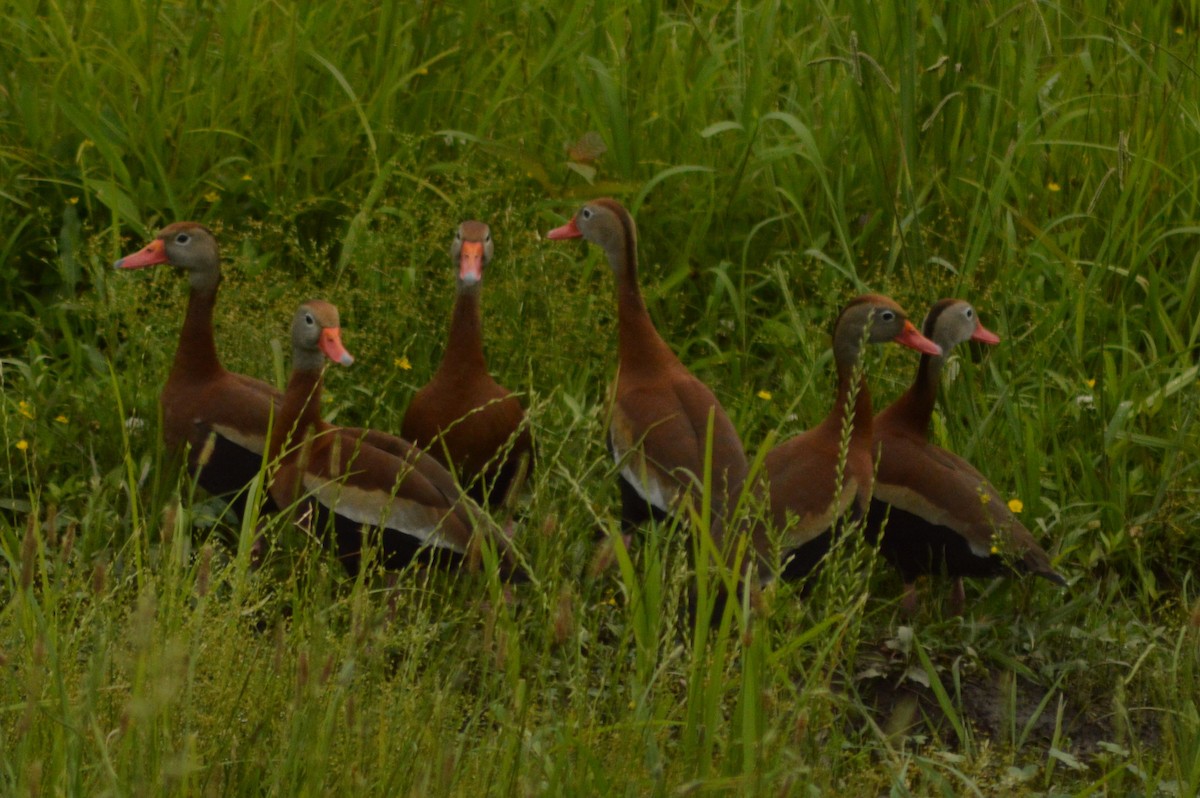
(860, 433)
(639, 346)
(300, 412)
(464, 349)
(915, 406)
(196, 356)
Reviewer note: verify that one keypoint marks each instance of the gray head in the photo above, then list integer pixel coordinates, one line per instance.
(185, 245)
(606, 223)
(951, 322)
(471, 250)
(875, 319)
(316, 335)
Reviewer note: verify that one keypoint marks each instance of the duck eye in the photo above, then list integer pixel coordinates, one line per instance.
(970, 313)
(586, 213)
(458, 234)
(488, 238)
(309, 320)
(887, 315)
(182, 238)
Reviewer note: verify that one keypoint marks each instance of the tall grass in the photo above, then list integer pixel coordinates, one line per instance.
(1037, 159)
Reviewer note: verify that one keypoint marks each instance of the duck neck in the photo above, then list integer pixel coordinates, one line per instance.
(922, 394)
(300, 412)
(639, 344)
(464, 349)
(853, 402)
(196, 355)
(853, 396)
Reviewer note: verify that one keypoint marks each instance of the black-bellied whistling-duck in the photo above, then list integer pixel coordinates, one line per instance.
(941, 514)
(804, 472)
(463, 417)
(660, 414)
(412, 500)
(222, 415)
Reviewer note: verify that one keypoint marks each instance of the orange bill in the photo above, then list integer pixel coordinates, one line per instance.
(150, 255)
(913, 339)
(331, 345)
(568, 230)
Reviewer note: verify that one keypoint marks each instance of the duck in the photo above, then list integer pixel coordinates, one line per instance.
(661, 413)
(220, 417)
(463, 417)
(932, 511)
(814, 480)
(409, 500)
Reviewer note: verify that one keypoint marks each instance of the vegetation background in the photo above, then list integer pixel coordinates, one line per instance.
(1041, 159)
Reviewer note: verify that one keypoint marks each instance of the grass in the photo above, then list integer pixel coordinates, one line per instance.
(1037, 159)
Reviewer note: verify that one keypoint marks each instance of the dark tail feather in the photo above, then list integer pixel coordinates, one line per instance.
(1053, 576)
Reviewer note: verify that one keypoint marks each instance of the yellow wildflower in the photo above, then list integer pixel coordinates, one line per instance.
(73, 200)
(995, 549)
(24, 409)
(23, 444)
(212, 196)
(1016, 505)
(247, 178)
(984, 498)
(764, 395)
(402, 363)
(1091, 383)
(1053, 186)
(61, 419)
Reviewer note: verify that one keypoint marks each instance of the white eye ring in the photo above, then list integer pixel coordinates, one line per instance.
(308, 319)
(887, 315)
(970, 313)
(586, 213)
(182, 238)
(458, 235)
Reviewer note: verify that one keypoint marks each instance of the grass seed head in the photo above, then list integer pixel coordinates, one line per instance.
(99, 578)
(68, 542)
(51, 525)
(564, 617)
(326, 670)
(206, 451)
(204, 570)
(167, 529)
(800, 727)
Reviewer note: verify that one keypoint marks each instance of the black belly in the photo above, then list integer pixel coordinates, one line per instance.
(227, 472)
(917, 547)
(490, 489)
(394, 550)
(799, 563)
